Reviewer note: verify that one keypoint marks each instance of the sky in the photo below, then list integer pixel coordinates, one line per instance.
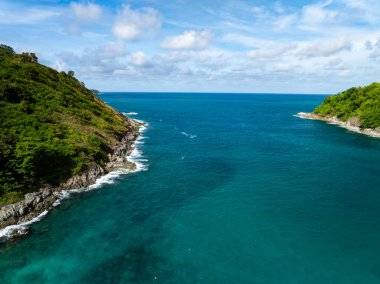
(284, 46)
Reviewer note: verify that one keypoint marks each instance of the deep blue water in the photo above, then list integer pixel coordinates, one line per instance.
(238, 190)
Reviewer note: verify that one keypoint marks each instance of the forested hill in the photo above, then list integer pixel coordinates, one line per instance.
(360, 105)
(51, 126)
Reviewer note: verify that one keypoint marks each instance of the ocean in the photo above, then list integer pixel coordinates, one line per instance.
(232, 188)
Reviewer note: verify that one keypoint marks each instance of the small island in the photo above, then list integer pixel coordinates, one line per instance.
(356, 109)
(55, 135)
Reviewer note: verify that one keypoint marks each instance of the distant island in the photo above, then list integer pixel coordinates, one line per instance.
(357, 109)
(55, 135)
(95, 92)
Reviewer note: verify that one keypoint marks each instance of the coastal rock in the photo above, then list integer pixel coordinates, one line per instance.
(352, 124)
(87, 178)
(35, 203)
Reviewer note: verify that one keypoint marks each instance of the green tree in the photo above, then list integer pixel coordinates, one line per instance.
(51, 126)
(7, 48)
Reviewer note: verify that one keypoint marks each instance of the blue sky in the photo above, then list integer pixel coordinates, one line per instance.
(202, 46)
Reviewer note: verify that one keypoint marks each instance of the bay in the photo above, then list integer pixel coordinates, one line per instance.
(237, 190)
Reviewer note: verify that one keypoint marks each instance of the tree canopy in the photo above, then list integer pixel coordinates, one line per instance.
(362, 103)
(51, 126)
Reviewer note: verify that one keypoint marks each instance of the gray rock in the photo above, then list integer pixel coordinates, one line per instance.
(36, 202)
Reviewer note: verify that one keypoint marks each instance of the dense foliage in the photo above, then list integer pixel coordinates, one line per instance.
(51, 126)
(362, 103)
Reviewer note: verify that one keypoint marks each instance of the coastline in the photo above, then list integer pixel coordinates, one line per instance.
(16, 218)
(351, 124)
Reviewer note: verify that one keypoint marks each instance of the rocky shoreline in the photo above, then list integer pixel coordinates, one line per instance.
(351, 124)
(40, 202)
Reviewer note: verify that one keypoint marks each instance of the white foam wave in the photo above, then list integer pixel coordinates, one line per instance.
(300, 115)
(9, 231)
(136, 156)
(101, 181)
(143, 126)
(188, 135)
(130, 113)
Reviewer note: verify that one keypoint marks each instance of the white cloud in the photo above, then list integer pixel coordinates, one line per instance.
(270, 54)
(366, 10)
(335, 64)
(368, 45)
(59, 65)
(133, 24)
(86, 12)
(316, 14)
(189, 40)
(102, 60)
(284, 22)
(248, 41)
(361, 4)
(14, 15)
(374, 48)
(325, 48)
(243, 45)
(140, 59)
(283, 67)
(113, 49)
(345, 74)
(279, 8)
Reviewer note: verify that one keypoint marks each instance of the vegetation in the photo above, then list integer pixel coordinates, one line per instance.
(95, 92)
(51, 126)
(362, 103)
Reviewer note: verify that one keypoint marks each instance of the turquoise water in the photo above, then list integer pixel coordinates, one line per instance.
(237, 190)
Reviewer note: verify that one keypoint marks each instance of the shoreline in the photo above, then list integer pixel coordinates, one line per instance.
(16, 218)
(349, 124)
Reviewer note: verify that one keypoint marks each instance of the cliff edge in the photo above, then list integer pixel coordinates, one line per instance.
(55, 134)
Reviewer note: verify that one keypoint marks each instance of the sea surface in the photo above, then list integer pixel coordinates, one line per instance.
(232, 189)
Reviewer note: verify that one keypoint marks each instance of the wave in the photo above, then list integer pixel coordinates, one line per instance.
(136, 157)
(109, 178)
(130, 113)
(19, 229)
(189, 135)
(299, 115)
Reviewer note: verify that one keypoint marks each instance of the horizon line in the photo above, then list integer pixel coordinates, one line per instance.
(232, 93)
